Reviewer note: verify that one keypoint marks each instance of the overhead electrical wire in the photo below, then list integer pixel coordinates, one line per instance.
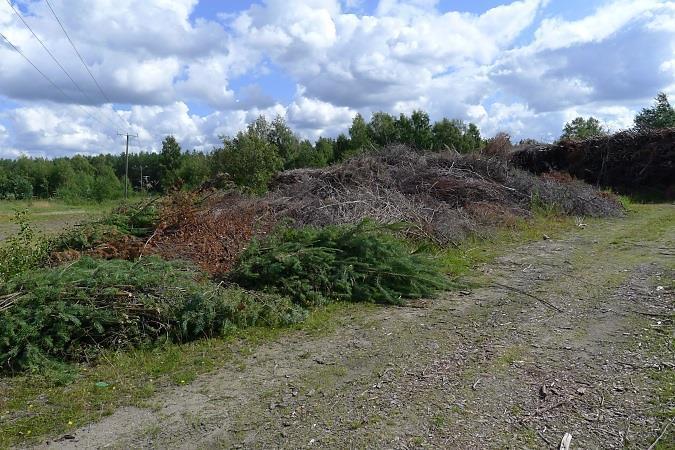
(77, 52)
(44, 46)
(18, 50)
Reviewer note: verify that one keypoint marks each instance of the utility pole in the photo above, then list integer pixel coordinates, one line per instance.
(126, 164)
(141, 179)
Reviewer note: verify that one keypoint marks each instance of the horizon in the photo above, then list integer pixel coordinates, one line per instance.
(197, 70)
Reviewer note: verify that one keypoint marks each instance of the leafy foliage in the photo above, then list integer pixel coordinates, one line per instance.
(455, 134)
(580, 129)
(250, 160)
(127, 220)
(358, 135)
(661, 115)
(359, 263)
(170, 162)
(73, 312)
(23, 251)
(15, 187)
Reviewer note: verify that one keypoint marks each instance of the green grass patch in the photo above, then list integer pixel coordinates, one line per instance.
(461, 261)
(43, 210)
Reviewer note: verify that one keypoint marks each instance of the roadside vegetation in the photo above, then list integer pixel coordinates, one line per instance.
(267, 233)
(58, 398)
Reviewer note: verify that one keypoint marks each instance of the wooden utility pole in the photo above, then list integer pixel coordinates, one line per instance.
(141, 179)
(126, 164)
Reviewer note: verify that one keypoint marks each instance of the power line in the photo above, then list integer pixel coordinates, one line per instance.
(44, 46)
(84, 63)
(18, 50)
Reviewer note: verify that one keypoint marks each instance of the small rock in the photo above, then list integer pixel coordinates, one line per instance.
(581, 391)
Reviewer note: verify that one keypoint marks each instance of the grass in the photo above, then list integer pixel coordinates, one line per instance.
(50, 215)
(461, 261)
(65, 398)
(43, 209)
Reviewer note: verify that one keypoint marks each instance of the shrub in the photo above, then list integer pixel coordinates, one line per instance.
(72, 312)
(23, 251)
(15, 187)
(251, 159)
(359, 263)
(127, 220)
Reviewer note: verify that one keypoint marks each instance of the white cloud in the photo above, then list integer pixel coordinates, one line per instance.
(314, 118)
(490, 68)
(614, 55)
(557, 33)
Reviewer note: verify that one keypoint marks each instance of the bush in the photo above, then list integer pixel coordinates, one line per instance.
(15, 187)
(358, 263)
(23, 251)
(126, 220)
(250, 158)
(73, 312)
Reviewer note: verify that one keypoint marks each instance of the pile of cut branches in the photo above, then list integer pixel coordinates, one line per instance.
(210, 229)
(73, 312)
(627, 161)
(357, 263)
(442, 196)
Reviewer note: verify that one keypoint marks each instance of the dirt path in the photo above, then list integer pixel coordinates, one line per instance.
(492, 368)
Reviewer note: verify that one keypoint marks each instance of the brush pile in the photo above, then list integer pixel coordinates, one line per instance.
(441, 196)
(210, 228)
(318, 236)
(627, 161)
(74, 312)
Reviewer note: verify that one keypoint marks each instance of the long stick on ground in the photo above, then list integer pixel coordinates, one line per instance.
(663, 433)
(520, 291)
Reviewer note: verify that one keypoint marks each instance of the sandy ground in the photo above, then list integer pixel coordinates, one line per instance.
(566, 337)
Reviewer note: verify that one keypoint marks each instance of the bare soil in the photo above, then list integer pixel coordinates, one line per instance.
(582, 353)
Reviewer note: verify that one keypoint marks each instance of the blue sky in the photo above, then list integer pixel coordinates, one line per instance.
(201, 69)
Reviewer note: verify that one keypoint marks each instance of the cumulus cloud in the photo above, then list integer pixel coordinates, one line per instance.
(519, 67)
(314, 118)
(611, 55)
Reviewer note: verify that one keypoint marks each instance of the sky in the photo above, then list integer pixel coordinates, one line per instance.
(203, 69)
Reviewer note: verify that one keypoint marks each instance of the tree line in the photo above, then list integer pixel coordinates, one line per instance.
(252, 157)
(249, 159)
